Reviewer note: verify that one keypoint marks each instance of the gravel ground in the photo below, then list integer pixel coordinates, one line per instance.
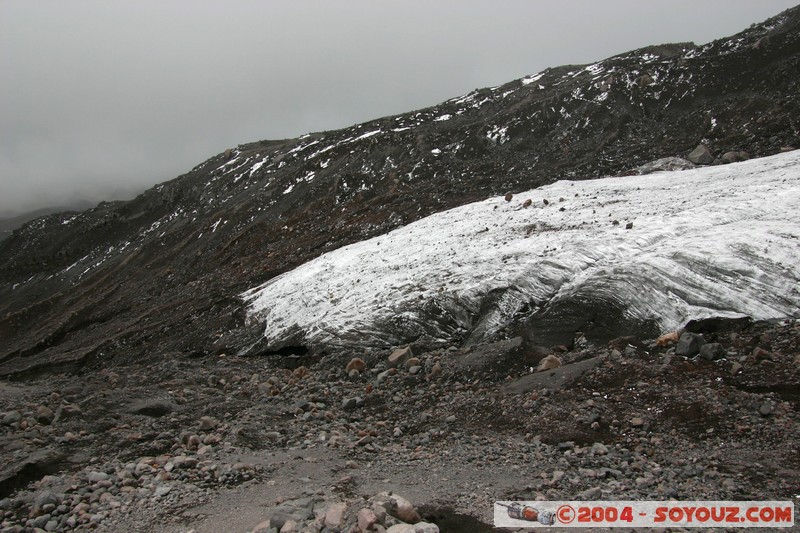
(228, 443)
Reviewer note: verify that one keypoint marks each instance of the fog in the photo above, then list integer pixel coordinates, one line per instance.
(100, 100)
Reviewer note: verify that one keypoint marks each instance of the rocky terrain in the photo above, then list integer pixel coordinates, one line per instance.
(138, 394)
(228, 443)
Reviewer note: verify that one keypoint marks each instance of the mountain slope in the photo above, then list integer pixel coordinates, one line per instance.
(159, 275)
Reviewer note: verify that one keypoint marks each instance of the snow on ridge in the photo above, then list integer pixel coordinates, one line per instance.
(715, 241)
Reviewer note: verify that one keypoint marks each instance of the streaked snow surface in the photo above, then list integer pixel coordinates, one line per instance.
(715, 241)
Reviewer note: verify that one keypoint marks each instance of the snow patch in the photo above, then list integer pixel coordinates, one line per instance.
(498, 134)
(367, 135)
(527, 80)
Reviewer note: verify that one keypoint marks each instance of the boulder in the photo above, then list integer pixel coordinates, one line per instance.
(689, 344)
(334, 515)
(701, 155)
(44, 415)
(356, 363)
(154, 407)
(665, 164)
(730, 157)
(668, 338)
(400, 356)
(548, 363)
(398, 507)
(712, 351)
(553, 380)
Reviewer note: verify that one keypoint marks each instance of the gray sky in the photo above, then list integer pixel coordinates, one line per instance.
(100, 99)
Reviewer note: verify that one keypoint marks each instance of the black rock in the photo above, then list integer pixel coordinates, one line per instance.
(155, 408)
(712, 351)
(689, 344)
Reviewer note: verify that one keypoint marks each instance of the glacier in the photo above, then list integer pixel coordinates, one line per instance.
(657, 250)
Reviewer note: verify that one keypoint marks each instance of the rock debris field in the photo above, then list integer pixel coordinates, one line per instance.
(399, 441)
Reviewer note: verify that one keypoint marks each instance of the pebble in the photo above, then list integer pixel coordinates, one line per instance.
(11, 417)
(548, 363)
(598, 448)
(593, 493)
(208, 423)
(44, 415)
(366, 519)
(356, 363)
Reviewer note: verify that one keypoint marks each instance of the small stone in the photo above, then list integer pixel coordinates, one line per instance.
(701, 155)
(766, 409)
(668, 338)
(68, 411)
(193, 442)
(351, 403)
(760, 354)
(366, 519)
(730, 157)
(689, 344)
(414, 369)
(44, 499)
(548, 363)
(152, 407)
(162, 490)
(712, 351)
(40, 521)
(509, 197)
(290, 526)
(436, 369)
(637, 422)
(736, 368)
(450, 419)
(400, 356)
(334, 515)
(598, 448)
(11, 417)
(629, 225)
(208, 423)
(94, 477)
(44, 415)
(527, 203)
(398, 507)
(413, 361)
(356, 363)
(261, 527)
(593, 493)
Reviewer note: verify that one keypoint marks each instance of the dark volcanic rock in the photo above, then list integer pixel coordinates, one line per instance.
(689, 344)
(701, 155)
(18, 473)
